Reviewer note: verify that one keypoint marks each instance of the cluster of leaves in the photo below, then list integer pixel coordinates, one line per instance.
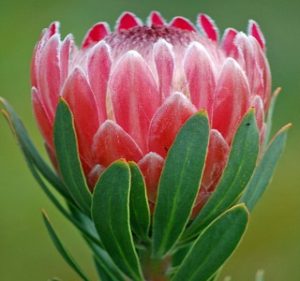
(115, 219)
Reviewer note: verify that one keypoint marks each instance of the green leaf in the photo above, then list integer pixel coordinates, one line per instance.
(102, 271)
(29, 149)
(105, 264)
(179, 183)
(61, 249)
(270, 116)
(240, 166)
(57, 203)
(103, 259)
(110, 212)
(68, 157)
(264, 171)
(139, 208)
(180, 254)
(105, 272)
(216, 275)
(213, 247)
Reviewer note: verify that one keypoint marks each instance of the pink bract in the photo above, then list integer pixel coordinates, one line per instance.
(132, 89)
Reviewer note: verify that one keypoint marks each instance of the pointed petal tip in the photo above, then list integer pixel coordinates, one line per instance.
(111, 142)
(255, 31)
(132, 54)
(127, 20)
(196, 45)
(182, 23)
(198, 48)
(207, 24)
(95, 34)
(34, 91)
(161, 42)
(232, 64)
(54, 27)
(228, 39)
(151, 155)
(155, 18)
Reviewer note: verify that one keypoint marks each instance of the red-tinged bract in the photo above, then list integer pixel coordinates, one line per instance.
(131, 90)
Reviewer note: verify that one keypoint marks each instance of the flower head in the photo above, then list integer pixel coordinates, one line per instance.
(132, 89)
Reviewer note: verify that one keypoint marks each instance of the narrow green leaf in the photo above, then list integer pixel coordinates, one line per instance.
(270, 116)
(61, 249)
(179, 183)
(213, 278)
(89, 233)
(29, 149)
(139, 208)
(104, 272)
(67, 157)
(240, 166)
(105, 263)
(110, 212)
(180, 254)
(57, 204)
(264, 171)
(216, 276)
(214, 246)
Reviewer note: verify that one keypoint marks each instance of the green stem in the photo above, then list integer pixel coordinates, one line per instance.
(154, 269)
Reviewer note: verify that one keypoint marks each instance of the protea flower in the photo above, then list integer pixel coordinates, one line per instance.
(131, 90)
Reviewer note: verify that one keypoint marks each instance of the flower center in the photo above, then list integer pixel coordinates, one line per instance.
(142, 38)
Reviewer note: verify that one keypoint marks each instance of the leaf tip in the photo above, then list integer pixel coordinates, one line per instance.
(277, 91)
(2, 100)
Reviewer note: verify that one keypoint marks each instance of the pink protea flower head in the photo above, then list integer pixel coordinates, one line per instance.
(132, 89)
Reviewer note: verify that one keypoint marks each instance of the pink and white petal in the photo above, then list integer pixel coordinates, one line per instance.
(49, 74)
(164, 60)
(66, 49)
(44, 123)
(111, 143)
(94, 175)
(99, 65)
(209, 27)
(216, 159)
(95, 34)
(262, 136)
(151, 166)
(246, 56)
(227, 43)
(244, 52)
(155, 19)
(231, 99)
(53, 29)
(255, 31)
(80, 98)
(262, 80)
(167, 121)
(258, 104)
(182, 23)
(253, 59)
(134, 96)
(200, 75)
(127, 21)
